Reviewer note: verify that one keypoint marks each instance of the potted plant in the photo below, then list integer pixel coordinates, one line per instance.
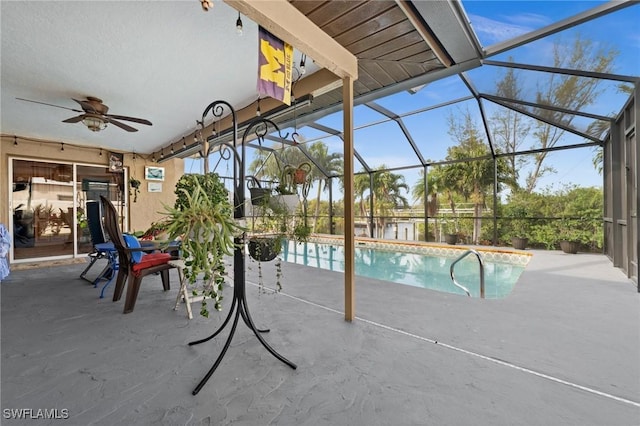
(301, 233)
(202, 219)
(450, 233)
(296, 175)
(259, 195)
(134, 186)
(519, 228)
(265, 248)
(570, 236)
(285, 197)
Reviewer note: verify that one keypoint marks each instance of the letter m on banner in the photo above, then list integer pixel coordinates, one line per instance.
(275, 66)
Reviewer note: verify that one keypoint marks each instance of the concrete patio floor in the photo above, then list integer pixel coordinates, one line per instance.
(562, 349)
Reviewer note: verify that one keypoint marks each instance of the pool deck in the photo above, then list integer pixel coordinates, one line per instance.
(562, 349)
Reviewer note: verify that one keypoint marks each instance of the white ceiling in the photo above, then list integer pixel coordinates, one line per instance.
(164, 61)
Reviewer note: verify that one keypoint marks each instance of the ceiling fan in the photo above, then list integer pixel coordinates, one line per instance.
(94, 115)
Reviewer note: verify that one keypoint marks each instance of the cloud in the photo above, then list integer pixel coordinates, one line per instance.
(492, 31)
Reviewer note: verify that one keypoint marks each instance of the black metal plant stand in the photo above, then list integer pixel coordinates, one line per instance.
(239, 307)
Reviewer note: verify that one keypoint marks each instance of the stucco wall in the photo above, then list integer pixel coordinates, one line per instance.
(141, 213)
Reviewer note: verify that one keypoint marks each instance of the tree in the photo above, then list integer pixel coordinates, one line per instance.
(433, 188)
(470, 175)
(510, 128)
(566, 91)
(332, 163)
(386, 193)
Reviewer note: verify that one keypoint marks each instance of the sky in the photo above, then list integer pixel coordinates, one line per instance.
(493, 22)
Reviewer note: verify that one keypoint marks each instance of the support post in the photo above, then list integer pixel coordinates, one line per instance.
(349, 217)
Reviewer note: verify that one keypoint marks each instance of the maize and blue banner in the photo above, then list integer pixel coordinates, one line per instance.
(275, 66)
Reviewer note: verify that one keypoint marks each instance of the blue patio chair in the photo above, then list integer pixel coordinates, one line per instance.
(102, 249)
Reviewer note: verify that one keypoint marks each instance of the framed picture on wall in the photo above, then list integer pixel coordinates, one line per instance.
(116, 161)
(154, 186)
(154, 173)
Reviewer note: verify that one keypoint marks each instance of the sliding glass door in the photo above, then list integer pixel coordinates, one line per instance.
(48, 202)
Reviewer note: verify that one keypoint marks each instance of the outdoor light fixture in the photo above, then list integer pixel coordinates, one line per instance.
(302, 64)
(258, 112)
(15, 141)
(94, 123)
(206, 5)
(61, 147)
(239, 25)
(185, 151)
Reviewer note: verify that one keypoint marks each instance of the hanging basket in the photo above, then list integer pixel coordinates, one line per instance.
(264, 249)
(259, 195)
(300, 174)
(287, 203)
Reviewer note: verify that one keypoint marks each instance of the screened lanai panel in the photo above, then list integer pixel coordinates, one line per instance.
(517, 18)
(551, 171)
(513, 130)
(362, 116)
(384, 145)
(430, 129)
(582, 94)
(425, 96)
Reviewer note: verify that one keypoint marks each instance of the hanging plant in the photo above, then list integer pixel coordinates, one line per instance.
(202, 219)
(134, 186)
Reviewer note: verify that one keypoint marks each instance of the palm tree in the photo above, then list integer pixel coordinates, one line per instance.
(387, 194)
(473, 179)
(433, 188)
(332, 163)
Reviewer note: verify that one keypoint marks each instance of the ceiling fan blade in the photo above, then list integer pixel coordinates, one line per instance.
(119, 124)
(87, 106)
(74, 119)
(44, 103)
(135, 120)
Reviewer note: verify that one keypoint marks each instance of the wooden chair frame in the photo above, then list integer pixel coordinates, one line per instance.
(125, 271)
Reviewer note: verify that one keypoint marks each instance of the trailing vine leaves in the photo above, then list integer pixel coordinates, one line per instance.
(206, 228)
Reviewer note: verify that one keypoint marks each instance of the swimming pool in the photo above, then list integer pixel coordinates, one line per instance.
(419, 266)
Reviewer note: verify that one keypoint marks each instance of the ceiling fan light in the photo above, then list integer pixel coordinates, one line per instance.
(95, 124)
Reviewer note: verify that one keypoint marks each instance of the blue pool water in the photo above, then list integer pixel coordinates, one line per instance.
(409, 268)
